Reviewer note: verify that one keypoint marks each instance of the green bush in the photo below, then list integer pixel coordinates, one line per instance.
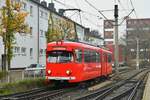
(21, 86)
(3, 74)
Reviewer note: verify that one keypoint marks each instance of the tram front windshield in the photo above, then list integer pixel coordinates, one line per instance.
(60, 56)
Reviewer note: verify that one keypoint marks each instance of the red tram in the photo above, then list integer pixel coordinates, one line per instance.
(76, 62)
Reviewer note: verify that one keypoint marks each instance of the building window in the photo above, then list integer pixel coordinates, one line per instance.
(24, 6)
(41, 13)
(41, 33)
(46, 15)
(31, 30)
(16, 50)
(129, 22)
(41, 52)
(31, 10)
(135, 22)
(23, 51)
(132, 50)
(128, 32)
(44, 51)
(31, 52)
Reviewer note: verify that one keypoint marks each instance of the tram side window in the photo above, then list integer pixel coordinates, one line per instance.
(97, 57)
(109, 58)
(78, 54)
(87, 56)
(104, 57)
(91, 56)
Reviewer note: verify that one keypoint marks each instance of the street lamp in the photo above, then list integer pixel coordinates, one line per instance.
(137, 51)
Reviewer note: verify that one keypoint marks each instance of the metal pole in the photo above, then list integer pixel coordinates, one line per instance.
(38, 38)
(116, 62)
(137, 53)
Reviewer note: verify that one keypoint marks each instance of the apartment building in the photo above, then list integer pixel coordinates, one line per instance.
(30, 48)
(110, 43)
(138, 30)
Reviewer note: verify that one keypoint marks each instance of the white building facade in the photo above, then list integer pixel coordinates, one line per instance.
(29, 48)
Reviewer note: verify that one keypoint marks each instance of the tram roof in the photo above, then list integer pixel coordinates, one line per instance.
(76, 44)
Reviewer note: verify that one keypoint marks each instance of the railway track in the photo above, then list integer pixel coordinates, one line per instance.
(30, 92)
(46, 93)
(111, 93)
(38, 94)
(56, 95)
(131, 88)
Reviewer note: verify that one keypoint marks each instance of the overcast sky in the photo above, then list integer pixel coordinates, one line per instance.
(91, 18)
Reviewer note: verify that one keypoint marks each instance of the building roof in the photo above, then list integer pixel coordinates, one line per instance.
(47, 8)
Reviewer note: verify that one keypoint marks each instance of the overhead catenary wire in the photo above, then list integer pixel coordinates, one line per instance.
(90, 21)
(135, 11)
(83, 11)
(133, 8)
(66, 5)
(136, 16)
(138, 28)
(93, 23)
(77, 4)
(122, 6)
(126, 16)
(98, 11)
(90, 14)
(72, 14)
(80, 17)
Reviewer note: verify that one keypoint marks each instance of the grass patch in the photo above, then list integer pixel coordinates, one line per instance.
(21, 86)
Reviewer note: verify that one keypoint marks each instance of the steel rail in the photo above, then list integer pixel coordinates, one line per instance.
(40, 94)
(23, 93)
(55, 94)
(100, 95)
(136, 87)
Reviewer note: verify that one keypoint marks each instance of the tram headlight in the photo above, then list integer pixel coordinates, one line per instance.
(49, 71)
(68, 72)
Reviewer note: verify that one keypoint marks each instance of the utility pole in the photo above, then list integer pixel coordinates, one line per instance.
(116, 59)
(137, 53)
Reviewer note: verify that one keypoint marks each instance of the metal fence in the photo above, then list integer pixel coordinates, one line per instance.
(17, 75)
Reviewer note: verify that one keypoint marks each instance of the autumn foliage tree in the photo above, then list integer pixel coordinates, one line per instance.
(54, 32)
(60, 29)
(12, 22)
